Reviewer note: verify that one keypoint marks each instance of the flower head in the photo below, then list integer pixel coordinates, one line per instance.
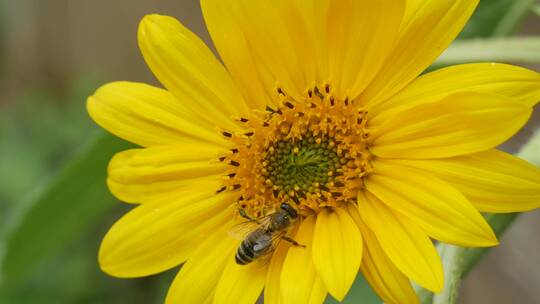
(320, 109)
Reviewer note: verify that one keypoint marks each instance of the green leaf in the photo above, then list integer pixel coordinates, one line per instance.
(496, 18)
(67, 209)
(453, 259)
(519, 49)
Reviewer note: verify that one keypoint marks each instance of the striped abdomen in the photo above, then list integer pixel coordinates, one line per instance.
(253, 246)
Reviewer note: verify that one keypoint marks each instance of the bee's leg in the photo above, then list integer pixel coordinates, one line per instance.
(295, 243)
(243, 214)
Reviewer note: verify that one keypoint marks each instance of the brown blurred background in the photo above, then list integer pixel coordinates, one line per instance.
(55, 45)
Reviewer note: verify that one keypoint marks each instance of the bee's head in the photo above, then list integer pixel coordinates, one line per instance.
(290, 210)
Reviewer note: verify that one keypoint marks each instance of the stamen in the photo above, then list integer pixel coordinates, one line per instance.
(269, 109)
(289, 105)
(221, 190)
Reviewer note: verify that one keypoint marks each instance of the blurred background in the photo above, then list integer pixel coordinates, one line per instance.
(53, 54)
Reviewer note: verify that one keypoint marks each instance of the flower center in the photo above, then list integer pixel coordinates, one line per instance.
(312, 153)
(298, 165)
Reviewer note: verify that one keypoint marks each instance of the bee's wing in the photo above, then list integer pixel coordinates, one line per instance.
(276, 237)
(265, 259)
(241, 231)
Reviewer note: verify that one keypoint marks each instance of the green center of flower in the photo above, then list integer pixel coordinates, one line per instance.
(295, 165)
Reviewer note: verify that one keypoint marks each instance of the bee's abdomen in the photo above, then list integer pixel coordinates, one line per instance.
(245, 253)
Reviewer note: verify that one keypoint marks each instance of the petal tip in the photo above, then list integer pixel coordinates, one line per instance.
(104, 262)
(152, 23)
(90, 106)
(494, 242)
(438, 285)
(338, 296)
(489, 239)
(154, 19)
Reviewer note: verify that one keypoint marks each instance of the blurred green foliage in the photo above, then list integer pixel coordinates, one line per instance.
(536, 10)
(497, 18)
(80, 201)
(53, 217)
(38, 132)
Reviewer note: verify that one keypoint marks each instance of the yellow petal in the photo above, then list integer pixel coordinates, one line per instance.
(189, 69)
(300, 283)
(198, 278)
(157, 173)
(427, 30)
(493, 181)
(381, 273)
(412, 7)
(150, 239)
(439, 209)
(313, 15)
(406, 244)
(513, 82)
(147, 116)
(361, 34)
(267, 41)
(297, 43)
(240, 284)
(337, 251)
(272, 292)
(234, 49)
(258, 48)
(459, 124)
(162, 192)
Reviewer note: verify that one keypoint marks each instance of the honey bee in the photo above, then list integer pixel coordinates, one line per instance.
(260, 236)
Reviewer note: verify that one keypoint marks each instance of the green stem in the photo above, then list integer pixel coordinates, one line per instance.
(453, 258)
(512, 49)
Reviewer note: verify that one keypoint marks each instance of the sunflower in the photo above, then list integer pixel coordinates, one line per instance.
(320, 104)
